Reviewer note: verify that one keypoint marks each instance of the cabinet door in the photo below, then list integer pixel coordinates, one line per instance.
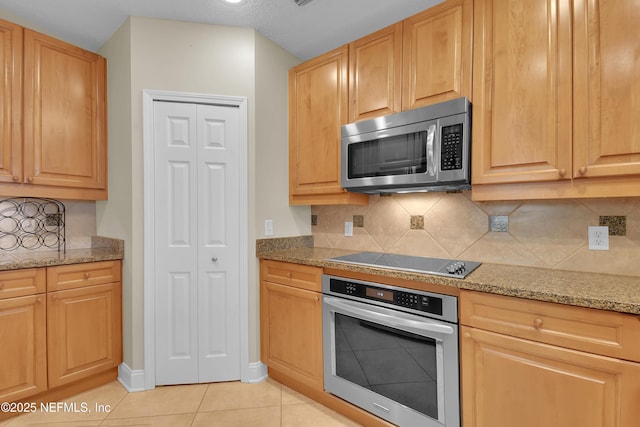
(23, 353)
(65, 114)
(522, 91)
(10, 102)
(607, 88)
(375, 74)
(84, 332)
(509, 382)
(437, 54)
(291, 332)
(317, 110)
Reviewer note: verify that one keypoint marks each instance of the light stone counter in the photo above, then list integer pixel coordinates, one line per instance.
(103, 249)
(600, 291)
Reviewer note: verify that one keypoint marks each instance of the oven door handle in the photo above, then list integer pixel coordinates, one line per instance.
(376, 314)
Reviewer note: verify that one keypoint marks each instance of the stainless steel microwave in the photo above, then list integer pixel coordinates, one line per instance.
(424, 149)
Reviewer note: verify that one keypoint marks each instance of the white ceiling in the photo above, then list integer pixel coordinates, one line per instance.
(305, 31)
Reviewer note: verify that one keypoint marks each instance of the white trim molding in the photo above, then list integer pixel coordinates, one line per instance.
(132, 380)
(257, 373)
(248, 372)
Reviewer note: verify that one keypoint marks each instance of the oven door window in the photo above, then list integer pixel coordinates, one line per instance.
(396, 364)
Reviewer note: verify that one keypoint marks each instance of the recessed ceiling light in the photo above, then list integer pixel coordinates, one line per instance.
(233, 1)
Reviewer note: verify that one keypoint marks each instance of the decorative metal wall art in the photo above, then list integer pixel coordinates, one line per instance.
(32, 223)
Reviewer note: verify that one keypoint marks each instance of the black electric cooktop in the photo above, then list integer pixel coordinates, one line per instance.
(438, 266)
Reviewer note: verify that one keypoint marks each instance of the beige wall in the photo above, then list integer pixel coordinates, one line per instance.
(177, 56)
(269, 162)
(114, 217)
(549, 234)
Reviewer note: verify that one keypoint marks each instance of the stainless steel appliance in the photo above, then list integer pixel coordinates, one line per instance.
(392, 351)
(436, 266)
(425, 149)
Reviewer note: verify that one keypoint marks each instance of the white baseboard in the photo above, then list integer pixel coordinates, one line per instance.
(256, 373)
(132, 380)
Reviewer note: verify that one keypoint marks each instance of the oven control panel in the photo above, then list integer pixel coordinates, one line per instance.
(397, 297)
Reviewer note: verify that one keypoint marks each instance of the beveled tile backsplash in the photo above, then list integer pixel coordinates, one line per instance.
(550, 234)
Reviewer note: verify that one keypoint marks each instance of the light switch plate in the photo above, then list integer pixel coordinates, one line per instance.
(268, 227)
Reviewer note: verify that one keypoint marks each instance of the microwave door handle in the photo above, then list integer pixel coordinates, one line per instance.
(431, 164)
(368, 313)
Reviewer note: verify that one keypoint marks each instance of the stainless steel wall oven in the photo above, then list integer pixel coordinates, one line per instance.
(392, 351)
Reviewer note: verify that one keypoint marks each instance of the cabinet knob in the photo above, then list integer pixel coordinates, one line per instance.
(214, 259)
(39, 300)
(289, 274)
(582, 170)
(15, 178)
(562, 172)
(467, 335)
(87, 276)
(1, 286)
(29, 179)
(537, 323)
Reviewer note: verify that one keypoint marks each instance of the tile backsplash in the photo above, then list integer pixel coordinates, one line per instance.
(550, 234)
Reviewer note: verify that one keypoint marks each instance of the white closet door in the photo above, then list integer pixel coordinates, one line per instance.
(218, 243)
(197, 243)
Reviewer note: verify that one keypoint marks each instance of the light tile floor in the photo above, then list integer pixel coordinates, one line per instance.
(228, 404)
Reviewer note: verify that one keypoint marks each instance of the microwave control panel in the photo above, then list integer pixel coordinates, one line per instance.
(451, 147)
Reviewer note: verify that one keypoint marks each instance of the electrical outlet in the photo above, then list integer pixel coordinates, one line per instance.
(348, 229)
(268, 227)
(599, 238)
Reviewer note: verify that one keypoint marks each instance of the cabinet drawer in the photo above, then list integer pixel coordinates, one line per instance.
(595, 331)
(80, 275)
(17, 283)
(296, 275)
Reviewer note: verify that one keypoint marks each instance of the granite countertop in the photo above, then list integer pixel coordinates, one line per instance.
(102, 249)
(600, 291)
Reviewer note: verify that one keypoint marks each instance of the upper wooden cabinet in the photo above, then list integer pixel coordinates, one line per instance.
(553, 99)
(437, 54)
(522, 91)
(606, 88)
(54, 118)
(419, 61)
(10, 102)
(375, 74)
(317, 110)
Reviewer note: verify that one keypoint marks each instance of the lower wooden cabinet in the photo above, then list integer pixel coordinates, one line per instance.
(508, 380)
(23, 352)
(84, 332)
(58, 325)
(291, 321)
